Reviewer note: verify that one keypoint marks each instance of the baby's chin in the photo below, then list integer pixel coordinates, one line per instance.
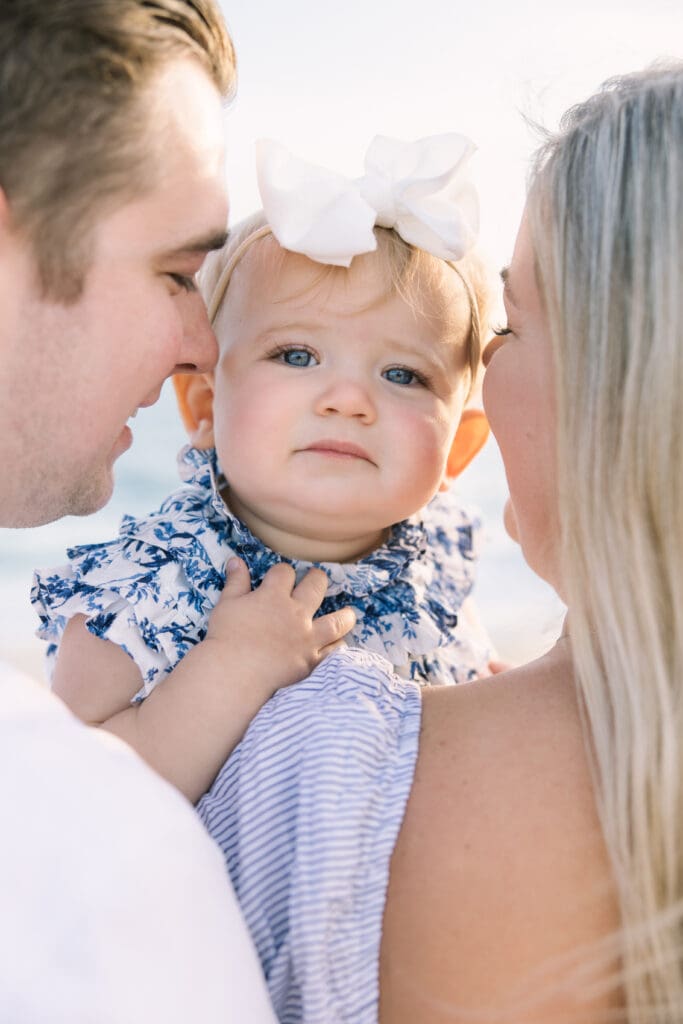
(510, 521)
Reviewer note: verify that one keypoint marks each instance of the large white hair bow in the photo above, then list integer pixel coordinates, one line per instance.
(421, 189)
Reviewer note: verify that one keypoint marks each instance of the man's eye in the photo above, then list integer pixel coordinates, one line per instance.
(188, 284)
(296, 357)
(402, 375)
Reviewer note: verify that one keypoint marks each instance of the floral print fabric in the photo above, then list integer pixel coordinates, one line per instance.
(152, 589)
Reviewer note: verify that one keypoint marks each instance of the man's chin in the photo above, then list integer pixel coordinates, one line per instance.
(92, 499)
(38, 515)
(89, 497)
(41, 493)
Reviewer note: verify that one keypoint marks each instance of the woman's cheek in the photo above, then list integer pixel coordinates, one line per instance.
(510, 520)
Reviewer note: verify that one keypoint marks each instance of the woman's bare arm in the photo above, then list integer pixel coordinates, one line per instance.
(500, 874)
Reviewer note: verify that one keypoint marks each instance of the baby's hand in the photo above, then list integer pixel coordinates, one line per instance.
(269, 633)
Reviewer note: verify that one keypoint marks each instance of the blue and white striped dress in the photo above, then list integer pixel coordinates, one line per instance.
(307, 811)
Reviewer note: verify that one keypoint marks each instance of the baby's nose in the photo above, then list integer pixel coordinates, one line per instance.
(347, 396)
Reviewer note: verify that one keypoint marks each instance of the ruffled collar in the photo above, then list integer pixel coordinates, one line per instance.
(407, 540)
(406, 593)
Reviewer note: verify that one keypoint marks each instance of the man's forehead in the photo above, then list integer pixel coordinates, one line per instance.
(186, 208)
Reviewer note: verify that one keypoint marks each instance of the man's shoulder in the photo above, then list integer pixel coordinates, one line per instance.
(58, 763)
(112, 892)
(59, 767)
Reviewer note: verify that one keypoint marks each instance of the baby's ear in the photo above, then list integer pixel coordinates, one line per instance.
(470, 437)
(194, 393)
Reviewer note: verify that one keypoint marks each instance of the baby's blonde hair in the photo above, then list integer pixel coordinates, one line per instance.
(411, 273)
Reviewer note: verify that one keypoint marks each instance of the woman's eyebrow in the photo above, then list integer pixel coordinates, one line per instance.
(505, 278)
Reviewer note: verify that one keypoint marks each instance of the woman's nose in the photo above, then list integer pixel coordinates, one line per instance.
(347, 397)
(492, 347)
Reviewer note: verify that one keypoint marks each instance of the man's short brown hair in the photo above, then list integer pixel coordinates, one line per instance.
(73, 78)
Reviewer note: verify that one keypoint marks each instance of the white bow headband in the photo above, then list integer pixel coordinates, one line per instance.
(420, 189)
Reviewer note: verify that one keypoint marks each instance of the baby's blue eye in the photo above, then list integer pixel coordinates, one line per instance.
(297, 357)
(401, 375)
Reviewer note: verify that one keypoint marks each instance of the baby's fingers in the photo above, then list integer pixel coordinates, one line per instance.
(338, 645)
(238, 581)
(311, 590)
(329, 629)
(279, 578)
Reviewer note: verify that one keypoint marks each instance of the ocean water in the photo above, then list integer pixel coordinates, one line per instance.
(521, 613)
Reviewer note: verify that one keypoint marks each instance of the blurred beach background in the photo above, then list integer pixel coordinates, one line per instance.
(324, 79)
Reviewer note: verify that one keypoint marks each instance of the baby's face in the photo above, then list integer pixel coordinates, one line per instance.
(335, 403)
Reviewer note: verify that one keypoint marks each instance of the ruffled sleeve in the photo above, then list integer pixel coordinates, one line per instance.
(150, 591)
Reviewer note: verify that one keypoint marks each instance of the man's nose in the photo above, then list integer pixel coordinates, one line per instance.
(199, 349)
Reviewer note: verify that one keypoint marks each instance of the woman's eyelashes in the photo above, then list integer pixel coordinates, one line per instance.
(501, 332)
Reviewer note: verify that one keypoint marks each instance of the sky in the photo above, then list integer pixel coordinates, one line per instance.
(324, 79)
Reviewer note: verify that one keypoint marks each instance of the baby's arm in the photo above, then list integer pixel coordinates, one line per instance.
(256, 642)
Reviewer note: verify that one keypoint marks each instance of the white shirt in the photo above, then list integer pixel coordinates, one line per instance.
(115, 907)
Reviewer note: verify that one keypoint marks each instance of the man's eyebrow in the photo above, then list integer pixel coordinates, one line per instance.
(205, 243)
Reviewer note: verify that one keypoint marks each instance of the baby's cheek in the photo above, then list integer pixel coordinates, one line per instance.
(425, 443)
(242, 433)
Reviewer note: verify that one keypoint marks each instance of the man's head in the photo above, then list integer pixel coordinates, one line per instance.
(75, 131)
(111, 193)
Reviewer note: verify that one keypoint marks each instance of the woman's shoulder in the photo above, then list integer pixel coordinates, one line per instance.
(500, 871)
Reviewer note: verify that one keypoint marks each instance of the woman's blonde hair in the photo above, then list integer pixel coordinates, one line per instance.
(606, 214)
(411, 272)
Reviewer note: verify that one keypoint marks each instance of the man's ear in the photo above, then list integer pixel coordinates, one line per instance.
(470, 437)
(194, 394)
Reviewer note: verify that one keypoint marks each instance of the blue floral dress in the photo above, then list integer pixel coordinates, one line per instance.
(152, 589)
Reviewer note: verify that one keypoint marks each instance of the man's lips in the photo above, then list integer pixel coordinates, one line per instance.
(123, 441)
(338, 449)
(151, 399)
